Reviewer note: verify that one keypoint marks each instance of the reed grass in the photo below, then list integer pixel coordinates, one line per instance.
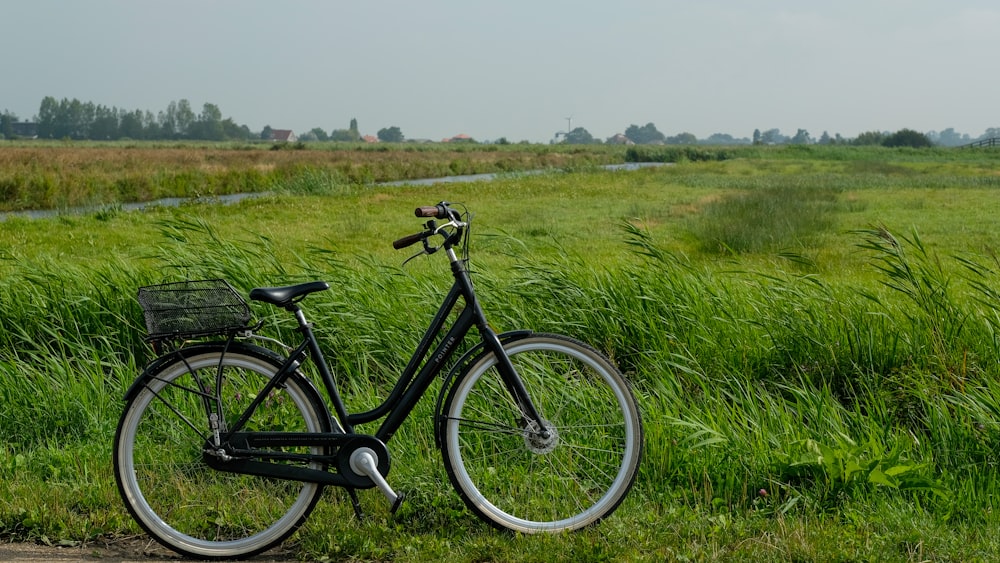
(69, 175)
(830, 395)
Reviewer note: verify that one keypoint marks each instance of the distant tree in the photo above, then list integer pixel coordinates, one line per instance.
(756, 137)
(647, 134)
(208, 125)
(343, 135)
(130, 125)
(150, 126)
(265, 133)
(231, 130)
(578, 136)
(907, 138)
(390, 135)
(951, 138)
(682, 139)
(65, 118)
(176, 120)
(869, 138)
(82, 116)
(134, 119)
(801, 138)
(167, 121)
(319, 134)
(105, 124)
(351, 134)
(74, 118)
(772, 137)
(47, 114)
(991, 133)
(723, 139)
(184, 117)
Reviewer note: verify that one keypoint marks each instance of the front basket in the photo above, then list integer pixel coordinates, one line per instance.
(193, 308)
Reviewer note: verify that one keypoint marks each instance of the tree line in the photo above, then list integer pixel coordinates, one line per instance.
(73, 119)
(649, 135)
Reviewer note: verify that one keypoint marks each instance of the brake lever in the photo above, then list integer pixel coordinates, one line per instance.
(434, 229)
(453, 223)
(428, 250)
(407, 261)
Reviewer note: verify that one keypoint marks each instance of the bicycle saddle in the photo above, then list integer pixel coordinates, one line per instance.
(288, 294)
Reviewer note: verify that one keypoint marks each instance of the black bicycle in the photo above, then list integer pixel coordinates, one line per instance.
(225, 445)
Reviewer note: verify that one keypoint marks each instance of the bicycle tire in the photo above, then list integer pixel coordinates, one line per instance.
(513, 479)
(174, 496)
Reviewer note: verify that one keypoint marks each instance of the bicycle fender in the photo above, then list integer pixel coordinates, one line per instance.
(152, 367)
(459, 366)
(177, 355)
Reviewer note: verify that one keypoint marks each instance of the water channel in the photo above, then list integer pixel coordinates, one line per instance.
(235, 198)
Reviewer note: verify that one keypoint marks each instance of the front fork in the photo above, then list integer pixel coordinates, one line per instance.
(531, 419)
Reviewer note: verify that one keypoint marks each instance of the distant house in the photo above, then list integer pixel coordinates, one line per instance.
(620, 139)
(370, 139)
(460, 138)
(24, 129)
(283, 136)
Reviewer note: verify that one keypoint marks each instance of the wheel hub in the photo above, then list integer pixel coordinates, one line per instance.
(540, 439)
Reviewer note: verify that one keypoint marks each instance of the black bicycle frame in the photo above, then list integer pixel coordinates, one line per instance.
(411, 386)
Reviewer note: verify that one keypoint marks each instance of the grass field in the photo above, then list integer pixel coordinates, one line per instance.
(812, 332)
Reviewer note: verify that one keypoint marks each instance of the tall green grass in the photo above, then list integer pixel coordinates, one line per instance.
(791, 407)
(750, 382)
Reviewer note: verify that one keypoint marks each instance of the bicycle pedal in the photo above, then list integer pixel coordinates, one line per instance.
(399, 502)
(365, 462)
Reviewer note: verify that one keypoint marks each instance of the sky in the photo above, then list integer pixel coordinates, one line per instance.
(517, 69)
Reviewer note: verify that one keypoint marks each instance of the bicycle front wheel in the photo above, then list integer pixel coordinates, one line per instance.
(180, 501)
(518, 478)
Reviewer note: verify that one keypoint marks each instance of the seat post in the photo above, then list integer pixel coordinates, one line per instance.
(299, 315)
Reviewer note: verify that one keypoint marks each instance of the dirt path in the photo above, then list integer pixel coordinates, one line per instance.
(123, 551)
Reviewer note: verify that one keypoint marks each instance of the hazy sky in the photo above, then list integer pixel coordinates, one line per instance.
(517, 68)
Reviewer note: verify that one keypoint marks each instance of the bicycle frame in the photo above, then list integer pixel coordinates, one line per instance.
(416, 378)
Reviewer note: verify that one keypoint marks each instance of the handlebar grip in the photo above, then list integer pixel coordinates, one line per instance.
(407, 241)
(437, 211)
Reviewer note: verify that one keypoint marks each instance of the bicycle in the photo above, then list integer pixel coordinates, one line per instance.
(225, 446)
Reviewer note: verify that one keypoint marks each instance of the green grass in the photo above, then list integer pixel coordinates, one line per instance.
(847, 366)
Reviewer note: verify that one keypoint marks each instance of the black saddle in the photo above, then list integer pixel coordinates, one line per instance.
(286, 295)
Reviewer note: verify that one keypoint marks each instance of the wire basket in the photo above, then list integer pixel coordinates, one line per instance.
(193, 308)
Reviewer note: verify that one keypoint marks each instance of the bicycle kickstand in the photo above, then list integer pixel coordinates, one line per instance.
(353, 493)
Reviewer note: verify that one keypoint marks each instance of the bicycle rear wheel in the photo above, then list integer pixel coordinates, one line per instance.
(158, 457)
(513, 477)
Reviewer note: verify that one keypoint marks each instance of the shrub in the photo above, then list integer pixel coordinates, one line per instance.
(907, 138)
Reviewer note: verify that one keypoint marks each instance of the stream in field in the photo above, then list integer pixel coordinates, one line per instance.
(234, 198)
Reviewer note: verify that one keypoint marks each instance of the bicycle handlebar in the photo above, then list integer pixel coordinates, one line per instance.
(409, 240)
(439, 211)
